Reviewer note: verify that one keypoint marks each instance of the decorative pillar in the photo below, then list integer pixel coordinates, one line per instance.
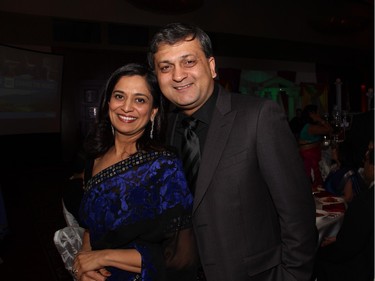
(274, 93)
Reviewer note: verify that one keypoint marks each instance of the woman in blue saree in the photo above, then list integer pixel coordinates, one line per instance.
(137, 206)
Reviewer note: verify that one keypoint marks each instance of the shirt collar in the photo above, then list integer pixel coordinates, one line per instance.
(204, 113)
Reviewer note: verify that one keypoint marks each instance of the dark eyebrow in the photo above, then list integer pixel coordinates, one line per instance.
(118, 91)
(135, 94)
(182, 57)
(142, 95)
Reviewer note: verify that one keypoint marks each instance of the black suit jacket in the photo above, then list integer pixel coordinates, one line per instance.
(254, 213)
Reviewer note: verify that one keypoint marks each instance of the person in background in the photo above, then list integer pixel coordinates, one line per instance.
(136, 206)
(342, 180)
(254, 214)
(350, 255)
(296, 123)
(357, 137)
(310, 142)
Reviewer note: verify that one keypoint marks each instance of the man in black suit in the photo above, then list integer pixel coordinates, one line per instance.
(253, 214)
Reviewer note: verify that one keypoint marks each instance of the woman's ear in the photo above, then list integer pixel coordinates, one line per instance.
(153, 114)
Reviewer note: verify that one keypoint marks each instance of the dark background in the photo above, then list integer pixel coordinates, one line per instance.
(96, 37)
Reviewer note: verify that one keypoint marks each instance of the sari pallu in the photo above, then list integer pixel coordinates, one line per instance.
(142, 203)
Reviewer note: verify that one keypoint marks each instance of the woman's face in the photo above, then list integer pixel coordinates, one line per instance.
(130, 106)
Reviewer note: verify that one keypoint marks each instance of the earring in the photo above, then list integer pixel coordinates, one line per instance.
(152, 130)
(113, 130)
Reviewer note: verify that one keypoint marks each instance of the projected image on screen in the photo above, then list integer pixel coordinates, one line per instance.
(30, 88)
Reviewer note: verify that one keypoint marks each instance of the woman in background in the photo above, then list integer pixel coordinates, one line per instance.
(350, 255)
(343, 180)
(137, 206)
(310, 141)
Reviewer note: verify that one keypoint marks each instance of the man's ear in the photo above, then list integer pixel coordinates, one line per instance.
(212, 64)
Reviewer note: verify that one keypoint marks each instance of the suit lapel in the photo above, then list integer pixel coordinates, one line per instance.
(218, 133)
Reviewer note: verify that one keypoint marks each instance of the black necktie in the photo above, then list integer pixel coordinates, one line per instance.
(190, 151)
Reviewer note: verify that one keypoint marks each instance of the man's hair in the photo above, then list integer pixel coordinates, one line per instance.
(176, 32)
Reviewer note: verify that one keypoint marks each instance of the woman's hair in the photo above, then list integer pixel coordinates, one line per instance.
(306, 113)
(176, 32)
(371, 156)
(101, 138)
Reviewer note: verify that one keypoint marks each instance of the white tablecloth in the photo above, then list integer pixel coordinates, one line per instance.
(330, 225)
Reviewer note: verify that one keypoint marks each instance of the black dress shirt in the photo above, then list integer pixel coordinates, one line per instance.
(203, 114)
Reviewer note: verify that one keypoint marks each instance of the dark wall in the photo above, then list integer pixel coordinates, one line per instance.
(25, 151)
(92, 50)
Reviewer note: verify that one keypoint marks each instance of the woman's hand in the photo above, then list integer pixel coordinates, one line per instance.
(86, 263)
(327, 241)
(87, 266)
(98, 275)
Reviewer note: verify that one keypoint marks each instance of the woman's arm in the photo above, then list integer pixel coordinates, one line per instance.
(86, 241)
(348, 191)
(125, 259)
(92, 264)
(321, 128)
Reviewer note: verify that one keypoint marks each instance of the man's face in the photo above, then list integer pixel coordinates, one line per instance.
(185, 75)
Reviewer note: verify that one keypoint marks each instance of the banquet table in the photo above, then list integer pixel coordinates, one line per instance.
(330, 215)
